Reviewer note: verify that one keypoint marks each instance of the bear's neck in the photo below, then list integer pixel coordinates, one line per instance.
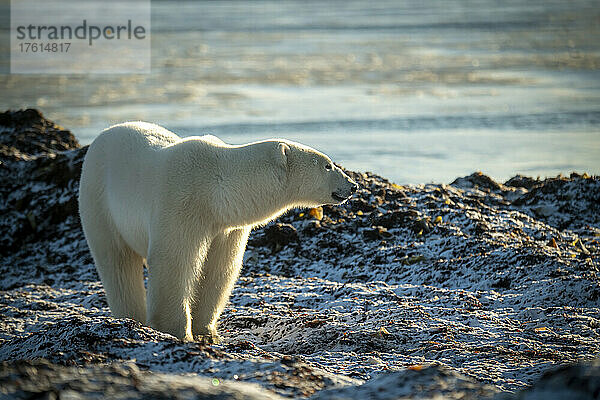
(251, 191)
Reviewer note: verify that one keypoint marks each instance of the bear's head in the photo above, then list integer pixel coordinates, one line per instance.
(312, 178)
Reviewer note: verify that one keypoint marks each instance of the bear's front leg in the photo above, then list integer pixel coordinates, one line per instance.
(217, 278)
(171, 275)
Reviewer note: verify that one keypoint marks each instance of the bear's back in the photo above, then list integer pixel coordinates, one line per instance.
(139, 134)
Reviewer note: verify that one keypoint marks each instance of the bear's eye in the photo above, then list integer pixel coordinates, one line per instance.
(328, 167)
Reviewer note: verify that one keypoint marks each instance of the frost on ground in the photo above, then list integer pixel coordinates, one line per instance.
(470, 290)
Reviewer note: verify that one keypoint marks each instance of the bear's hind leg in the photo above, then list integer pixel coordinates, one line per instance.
(122, 273)
(218, 275)
(127, 294)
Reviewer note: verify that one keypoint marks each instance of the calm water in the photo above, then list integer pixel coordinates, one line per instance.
(417, 91)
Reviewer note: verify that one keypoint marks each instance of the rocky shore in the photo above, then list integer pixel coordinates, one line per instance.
(474, 289)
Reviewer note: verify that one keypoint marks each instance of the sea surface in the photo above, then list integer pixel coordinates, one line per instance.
(416, 91)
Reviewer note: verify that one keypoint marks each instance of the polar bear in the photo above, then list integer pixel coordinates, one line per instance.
(185, 207)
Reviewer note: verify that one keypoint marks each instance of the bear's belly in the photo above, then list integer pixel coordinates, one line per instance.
(133, 229)
(129, 211)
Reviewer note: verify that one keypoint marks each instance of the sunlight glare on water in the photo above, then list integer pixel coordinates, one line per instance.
(414, 91)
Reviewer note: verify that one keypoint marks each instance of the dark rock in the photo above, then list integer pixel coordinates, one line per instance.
(335, 212)
(395, 195)
(312, 227)
(478, 180)
(503, 283)
(481, 228)
(41, 178)
(574, 382)
(397, 218)
(358, 204)
(430, 382)
(520, 181)
(565, 203)
(41, 379)
(422, 226)
(27, 132)
(61, 169)
(277, 235)
(377, 233)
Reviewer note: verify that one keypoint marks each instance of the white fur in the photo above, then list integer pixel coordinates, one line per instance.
(186, 208)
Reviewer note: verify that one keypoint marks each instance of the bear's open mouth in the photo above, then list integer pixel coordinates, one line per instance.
(337, 197)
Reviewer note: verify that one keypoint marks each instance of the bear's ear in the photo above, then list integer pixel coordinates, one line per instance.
(283, 152)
